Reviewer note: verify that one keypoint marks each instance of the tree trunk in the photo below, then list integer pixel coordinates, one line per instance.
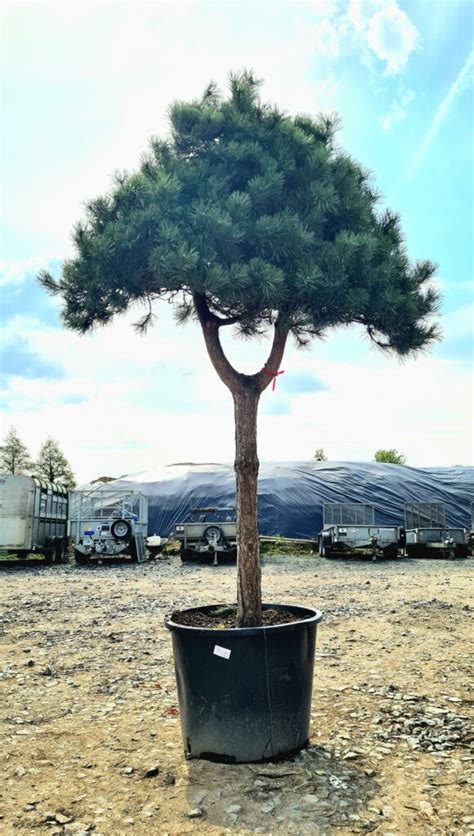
(246, 390)
(249, 595)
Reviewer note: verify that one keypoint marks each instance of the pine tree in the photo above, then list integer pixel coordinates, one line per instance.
(390, 456)
(14, 455)
(251, 218)
(320, 455)
(53, 466)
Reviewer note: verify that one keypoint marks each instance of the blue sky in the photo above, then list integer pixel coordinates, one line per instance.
(85, 85)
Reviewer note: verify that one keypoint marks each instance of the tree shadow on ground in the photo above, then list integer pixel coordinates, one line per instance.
(312, 793)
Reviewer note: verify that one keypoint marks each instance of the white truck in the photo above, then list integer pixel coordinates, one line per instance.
(33, 517)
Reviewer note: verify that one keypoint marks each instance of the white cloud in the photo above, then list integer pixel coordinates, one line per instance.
(462, 82)
(368, 28)
(459, 324)
(398, 110)
(140, 57)
(15, 272)
(371, 400)
(329, 36)
(392, 36)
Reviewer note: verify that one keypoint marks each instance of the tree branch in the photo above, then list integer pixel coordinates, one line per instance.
(234, 380)
(210, 329)
(264, 377)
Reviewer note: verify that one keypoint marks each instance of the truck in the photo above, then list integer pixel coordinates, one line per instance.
(427, 534)
(33, 517)
(349, 529)
(108, 523)
(207, 535)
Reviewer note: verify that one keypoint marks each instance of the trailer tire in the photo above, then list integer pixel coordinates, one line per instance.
(211, 529)
(391, 551)
(416, 550)
(121, 530)
(48, 551)
(58, 550)
(324, 546)
(461, 551)
(187, 555)
(228, 556)
(81, 559)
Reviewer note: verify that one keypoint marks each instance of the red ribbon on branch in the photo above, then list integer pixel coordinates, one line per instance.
(274, 376)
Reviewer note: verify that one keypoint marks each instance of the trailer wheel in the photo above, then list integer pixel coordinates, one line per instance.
(391, 551)
(324, 545)
(48, 551)
(416, 550)
(213, 535)
(228, 556)
(461, 550)
(121, 530)
(81, 559)
(58, 551)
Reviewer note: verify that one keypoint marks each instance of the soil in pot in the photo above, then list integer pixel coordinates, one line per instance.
(225, 617)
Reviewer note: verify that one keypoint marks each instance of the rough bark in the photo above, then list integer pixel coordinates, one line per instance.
(246, 391)
(249, 594)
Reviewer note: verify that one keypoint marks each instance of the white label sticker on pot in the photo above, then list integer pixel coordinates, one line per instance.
(222, 651)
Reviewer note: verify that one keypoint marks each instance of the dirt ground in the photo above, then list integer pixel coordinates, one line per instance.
(91, 737)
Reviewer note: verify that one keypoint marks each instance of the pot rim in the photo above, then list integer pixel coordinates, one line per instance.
(314, 617)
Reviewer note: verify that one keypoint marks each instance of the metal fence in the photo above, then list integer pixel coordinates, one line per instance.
(100, 504)
(424, 515)
(348, 514)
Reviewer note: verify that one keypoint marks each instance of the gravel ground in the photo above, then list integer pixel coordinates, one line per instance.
(91, 737)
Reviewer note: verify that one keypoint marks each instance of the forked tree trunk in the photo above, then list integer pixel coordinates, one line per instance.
(246, 390)
(249, 605)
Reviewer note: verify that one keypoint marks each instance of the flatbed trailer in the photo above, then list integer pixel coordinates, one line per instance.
(350, 530)
(207, 535)
(428, 535)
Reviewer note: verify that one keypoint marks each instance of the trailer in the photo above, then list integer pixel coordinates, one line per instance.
(33, 517)
(207, 535)
(427, 534)
(350, 529)
(108, 523)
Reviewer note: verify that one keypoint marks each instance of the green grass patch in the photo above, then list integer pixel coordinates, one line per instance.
(280, 546)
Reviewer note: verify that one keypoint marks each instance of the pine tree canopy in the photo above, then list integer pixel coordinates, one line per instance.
(53, 466)
(259, 218)
(14, 455)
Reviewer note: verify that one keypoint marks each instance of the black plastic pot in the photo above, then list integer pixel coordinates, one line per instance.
(245, 693)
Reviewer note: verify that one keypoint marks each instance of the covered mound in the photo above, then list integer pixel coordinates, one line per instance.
(291, 494)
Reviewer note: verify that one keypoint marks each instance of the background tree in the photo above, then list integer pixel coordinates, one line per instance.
(53, 465)
(250, 218)
(391, 456)
(320, 455)
(14, 455)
